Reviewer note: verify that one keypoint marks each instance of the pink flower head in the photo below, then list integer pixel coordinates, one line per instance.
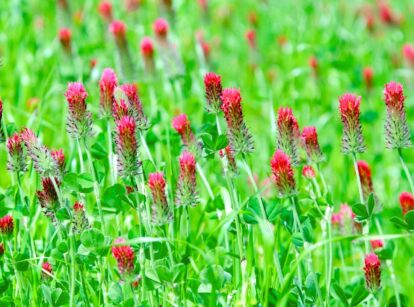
(251, 38)
(59, 158)
(213, 90)
(181, 124)
(132, 5)
(288, 133)
(127, 147)
(17, 156)
(204, 45)
(46, 269)
(376, 244)
(240, 138)
(107, 86)
(147, 51)
(283, 173)
(408, 52)
(78, 207)
(65, 38)
(386, 13)
(147, 47)
(352, 139)
(157, 184)
(228, 154)
(160, 27)
(368, 74)
(80, 221)
(203, 5)
(313, 64)
(365, 178)
(124, 256)
(336, 219)
(372, 271)
(6, 225)
(311, 144)
(48, 198)
(397, 132)
(345, 220)
(118, 30)
(187, 185)
(135, 105)
(105, 9)
(41, 156)
(120, 109)
(406, 202)
(79, 120)
(308, 172)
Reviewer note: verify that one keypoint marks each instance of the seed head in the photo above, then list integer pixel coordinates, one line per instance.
(79, 119)
(48, 198)
(365, 178)
(80, 221)
(187, 185)
(213, 89)
(240, 138)
(181, 124)
(352, 138)
(59, 158)
(17, 155)
(283, 174)
(311, 145)
(372, 271)
(288, 135)
(160, 210)
(135, 105)
(228, 154)
(127, 147)
(397, 132)
(41, 156)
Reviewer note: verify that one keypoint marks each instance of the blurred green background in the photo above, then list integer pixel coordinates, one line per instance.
(34, 73)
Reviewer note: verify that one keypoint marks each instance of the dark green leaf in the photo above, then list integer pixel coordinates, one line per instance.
(340, 293)
(92, 238)
(359, 295)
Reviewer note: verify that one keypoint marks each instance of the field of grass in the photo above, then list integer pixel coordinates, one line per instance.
(120, 219)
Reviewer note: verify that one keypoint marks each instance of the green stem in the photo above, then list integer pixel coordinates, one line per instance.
(309, 256)
(365, 228)
(263, 212)
(407, 172)
(72, 270)
(390, 268)
(95, 187)
(205, 181)
(110, 152)
(146, 148)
